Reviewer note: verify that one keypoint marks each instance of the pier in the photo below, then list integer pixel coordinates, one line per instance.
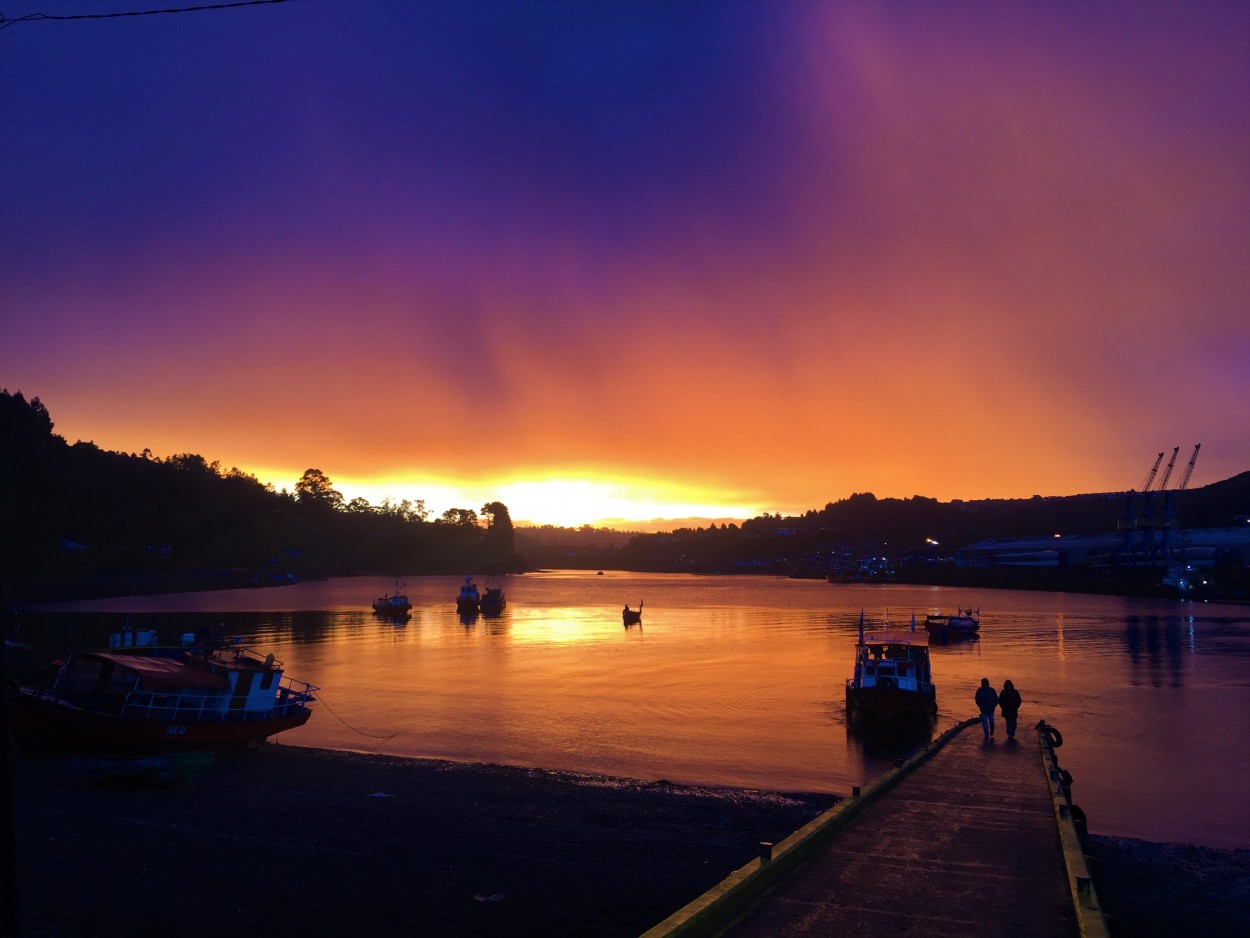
(969, 836)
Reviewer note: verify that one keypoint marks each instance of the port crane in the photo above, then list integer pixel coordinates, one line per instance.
(1167, 473)
(1143, 545)
(1150, 476)
(1189, 470)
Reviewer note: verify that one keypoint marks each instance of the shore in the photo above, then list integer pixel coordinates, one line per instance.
(282, 840)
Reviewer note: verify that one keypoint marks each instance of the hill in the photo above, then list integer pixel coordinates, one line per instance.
(84, 521)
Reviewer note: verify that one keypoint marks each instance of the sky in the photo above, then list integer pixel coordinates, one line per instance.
(613, 262)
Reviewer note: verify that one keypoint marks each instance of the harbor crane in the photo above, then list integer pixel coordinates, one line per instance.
(1150, 476)
(1189, 470)
(1168, 472)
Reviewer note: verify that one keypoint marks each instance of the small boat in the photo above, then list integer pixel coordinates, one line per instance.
(394, 606)
(492, 602)
(469, 599)
(966, 623)
(632, 616)
(141, 699)
(892, 678)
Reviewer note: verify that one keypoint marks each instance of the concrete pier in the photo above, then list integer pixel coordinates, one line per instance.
(972, 837)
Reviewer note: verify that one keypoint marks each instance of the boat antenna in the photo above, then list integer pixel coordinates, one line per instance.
(913, 620)
(861, 626)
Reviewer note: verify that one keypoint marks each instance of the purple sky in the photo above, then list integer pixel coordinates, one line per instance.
(648, 258)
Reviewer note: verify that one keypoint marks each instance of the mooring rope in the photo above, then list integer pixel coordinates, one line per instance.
(321, 700)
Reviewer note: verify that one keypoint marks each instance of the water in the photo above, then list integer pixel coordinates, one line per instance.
(739, 681)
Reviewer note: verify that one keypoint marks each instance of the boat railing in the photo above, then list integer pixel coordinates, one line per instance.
(292, 697)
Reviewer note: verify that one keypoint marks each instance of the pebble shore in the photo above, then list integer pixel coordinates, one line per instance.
(281, 840)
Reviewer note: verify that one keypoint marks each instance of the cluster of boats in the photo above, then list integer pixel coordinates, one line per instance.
(470, 601)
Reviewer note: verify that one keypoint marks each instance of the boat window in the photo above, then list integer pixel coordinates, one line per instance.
(82, 675)
(266, 682)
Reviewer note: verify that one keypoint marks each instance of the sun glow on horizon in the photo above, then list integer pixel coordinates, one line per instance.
(557, 501)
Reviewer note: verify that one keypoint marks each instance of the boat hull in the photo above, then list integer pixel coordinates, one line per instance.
(42, 723)
(890, 703)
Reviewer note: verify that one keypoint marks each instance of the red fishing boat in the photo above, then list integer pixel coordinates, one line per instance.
(208, 695)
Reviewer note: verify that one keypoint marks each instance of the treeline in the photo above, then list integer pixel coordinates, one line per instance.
(914, 536)
(76, 511)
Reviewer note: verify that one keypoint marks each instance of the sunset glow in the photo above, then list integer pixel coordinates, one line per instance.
(623, 261)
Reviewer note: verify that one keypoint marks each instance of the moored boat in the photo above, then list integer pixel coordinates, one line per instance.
(966, 623)
(492, 602)
(393, 606)
(143, 699)
(892, 677)
(469, 600)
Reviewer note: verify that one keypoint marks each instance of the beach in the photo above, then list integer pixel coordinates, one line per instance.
(284, 840)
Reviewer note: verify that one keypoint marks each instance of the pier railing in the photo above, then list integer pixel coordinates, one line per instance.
(726, 902)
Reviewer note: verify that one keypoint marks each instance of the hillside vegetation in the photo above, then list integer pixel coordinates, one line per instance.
(79, 520)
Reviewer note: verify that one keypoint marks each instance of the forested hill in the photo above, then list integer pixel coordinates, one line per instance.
(910, 532)
(79, 513)
(107, 522)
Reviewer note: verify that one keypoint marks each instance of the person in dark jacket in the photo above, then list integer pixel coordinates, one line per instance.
(987, 700)
(1009, 703)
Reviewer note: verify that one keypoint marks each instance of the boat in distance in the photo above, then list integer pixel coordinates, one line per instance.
(205, 696)
(468, 600)
(492, 602)
(393, 606)
(632, 616)
(965, 623)
(892, 677)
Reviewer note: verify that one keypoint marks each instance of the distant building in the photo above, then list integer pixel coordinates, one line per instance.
(1199, 548)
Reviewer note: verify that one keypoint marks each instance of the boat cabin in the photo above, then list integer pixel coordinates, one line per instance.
(893, 659)
(238, 685)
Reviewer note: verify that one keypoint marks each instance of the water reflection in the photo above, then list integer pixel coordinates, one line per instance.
(1157, 649)
(875, 746)
(736, 681)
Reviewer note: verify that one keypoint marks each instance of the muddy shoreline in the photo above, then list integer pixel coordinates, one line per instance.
(283, 840)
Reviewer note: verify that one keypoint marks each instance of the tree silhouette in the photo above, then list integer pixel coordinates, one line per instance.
(315, 487)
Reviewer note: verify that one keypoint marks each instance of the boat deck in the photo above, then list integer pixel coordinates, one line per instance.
(971, 841)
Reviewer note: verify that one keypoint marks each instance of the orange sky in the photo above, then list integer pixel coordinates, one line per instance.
(741, 258)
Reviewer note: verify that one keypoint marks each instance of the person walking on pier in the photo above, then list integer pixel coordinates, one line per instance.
(1009, 703)
(987, 700)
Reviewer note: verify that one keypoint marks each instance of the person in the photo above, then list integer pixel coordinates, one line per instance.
(987, 700)
(1009, 703)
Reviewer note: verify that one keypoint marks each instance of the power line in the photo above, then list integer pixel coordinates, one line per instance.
(32, 17)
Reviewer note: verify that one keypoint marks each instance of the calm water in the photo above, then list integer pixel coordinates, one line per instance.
(739, 681)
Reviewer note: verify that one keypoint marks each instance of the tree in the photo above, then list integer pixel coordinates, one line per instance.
(315, 488)
(460, 517)
(499, 533)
